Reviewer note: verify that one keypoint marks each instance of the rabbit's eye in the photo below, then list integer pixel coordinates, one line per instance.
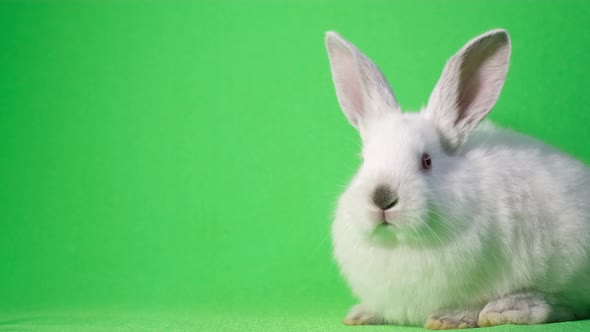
(426, 161)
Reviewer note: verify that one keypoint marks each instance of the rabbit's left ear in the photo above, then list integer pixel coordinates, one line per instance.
(469, 86)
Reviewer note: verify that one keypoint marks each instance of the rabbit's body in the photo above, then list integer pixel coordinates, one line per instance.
(450, 224)
(528, 208)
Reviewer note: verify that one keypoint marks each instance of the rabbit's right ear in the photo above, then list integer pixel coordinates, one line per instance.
(363, 92)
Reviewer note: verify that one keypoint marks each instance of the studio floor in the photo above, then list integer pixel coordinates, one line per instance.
(162, 320)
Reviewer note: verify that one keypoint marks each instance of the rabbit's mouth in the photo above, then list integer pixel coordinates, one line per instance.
(390, 217)
(384, 218)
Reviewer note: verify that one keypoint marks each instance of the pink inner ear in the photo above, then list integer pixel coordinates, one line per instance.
(347, 81)
(482, 75)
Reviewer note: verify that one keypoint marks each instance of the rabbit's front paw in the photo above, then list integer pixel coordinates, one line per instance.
(460, 319)
(359, 315)
(519, 309)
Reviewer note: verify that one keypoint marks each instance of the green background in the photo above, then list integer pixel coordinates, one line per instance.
(174, 165)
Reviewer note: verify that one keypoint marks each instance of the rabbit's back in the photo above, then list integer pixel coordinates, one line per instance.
(541, 199)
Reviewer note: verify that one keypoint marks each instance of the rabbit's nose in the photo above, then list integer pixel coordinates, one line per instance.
(384, 197)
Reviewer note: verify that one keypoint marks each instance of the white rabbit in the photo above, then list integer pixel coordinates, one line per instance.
(448, 225)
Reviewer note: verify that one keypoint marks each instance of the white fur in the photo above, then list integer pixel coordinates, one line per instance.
(498, 215)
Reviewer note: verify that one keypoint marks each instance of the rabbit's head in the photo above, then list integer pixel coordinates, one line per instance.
(407, 155)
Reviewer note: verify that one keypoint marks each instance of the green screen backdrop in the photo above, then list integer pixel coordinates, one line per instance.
(174, 165)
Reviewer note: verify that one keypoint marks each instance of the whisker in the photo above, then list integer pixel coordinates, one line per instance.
(445, 221)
